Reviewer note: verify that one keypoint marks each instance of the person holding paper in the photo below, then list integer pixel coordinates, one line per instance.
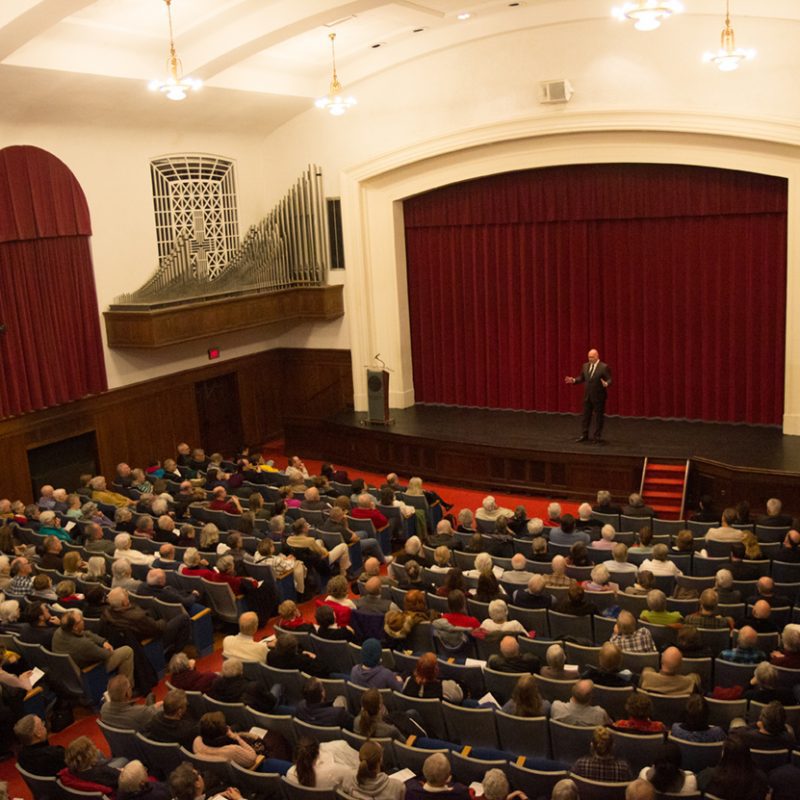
(597, 377)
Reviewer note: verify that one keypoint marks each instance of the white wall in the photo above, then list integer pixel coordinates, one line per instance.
(112, 165)
(472, 111)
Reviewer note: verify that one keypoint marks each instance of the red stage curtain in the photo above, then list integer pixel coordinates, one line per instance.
(52, 348)
(676, 274)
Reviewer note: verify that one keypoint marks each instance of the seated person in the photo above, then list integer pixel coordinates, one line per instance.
(639, 709)
(764, 686)
(760, 618)
(668, 679)
(426, 682)
(287, 655)
(120, 710)
(509, 659)
(746, 650)
(326, 627)
(609, 672)
(534, 594)
(656, 612)
(290, 618)
(575, 603)
(184, 675)
(232, 687)
(708, 615)
(369, 780)
(789, 656)
(579, 709)
(555, 658)
(315, 708)
(770, 731)
(373, 720)
(630, 639)
(723, 585)
(660, 564)
(216, 739)
(36, 755)
(437, 782)
(371, 598)
(619, 562)
(645, 583)
(370, 672)
(498, 621)
(600, 764)
(525, 699)
(694, 726)
(666, 775)
(316, 766)
(87, 768)
(173, 723)
(600, 580)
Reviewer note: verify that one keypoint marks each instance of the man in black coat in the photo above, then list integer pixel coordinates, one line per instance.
(597, 377)
(511, 660)
(37, 755)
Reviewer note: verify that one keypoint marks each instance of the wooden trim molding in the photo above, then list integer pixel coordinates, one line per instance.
(147, 420)
(159, 327)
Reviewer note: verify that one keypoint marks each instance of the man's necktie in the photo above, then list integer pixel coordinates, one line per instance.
(591, 370)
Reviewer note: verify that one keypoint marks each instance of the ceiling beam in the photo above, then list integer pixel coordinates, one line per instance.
(251, 47)
(36, 21)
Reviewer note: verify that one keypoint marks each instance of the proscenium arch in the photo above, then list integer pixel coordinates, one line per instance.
(376, 290)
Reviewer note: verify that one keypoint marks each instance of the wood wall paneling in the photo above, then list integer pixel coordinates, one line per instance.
(148, 420)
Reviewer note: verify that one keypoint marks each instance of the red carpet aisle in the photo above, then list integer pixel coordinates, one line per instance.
(460, 498)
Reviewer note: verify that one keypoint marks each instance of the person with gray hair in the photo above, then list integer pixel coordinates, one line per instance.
(605, 504)
(101, 494)
(121, 576)
(233, 687)
(120, 710)
(534, 527)
(466, 521)
(554, 668)
(489, 511)
(600, 580)
(774, 517)
(484, 564)
(660, 564)
(619, 562)
(789, 655)
(122, 616)
(558, 577)
(134, 784)
(437, 781)
(123, 549)
(764, 687)
(496, 786)
(636, 507)
(606, 540)
(534, 595)
(723, 584)
(656, 612)
(498, 620)
(36, 755)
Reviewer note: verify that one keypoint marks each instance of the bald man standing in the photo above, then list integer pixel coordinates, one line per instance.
(597, 377)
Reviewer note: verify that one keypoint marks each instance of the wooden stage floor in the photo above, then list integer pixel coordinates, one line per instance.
(537, 452)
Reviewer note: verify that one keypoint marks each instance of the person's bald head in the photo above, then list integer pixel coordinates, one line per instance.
(509, 647)
(610, 658)
(559, 565)
(640, 789)
(792, 539)
(748, 638)
(626, 623)
(582, 692)
(671, 660)
(536, 584)
(373, 586)
(762, 609)
(372, 566)
(518, 562)
(766, 585)
(248, 623)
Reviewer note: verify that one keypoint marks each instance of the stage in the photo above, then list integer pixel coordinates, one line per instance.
(537, 453)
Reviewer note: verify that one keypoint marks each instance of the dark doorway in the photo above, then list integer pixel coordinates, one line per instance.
(62, 463)
(219, 414)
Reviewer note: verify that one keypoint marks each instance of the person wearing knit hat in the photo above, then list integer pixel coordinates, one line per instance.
(370, 672)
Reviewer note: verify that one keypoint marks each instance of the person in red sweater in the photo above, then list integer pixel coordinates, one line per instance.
(366, 510)
(457, 611)
(222, 502)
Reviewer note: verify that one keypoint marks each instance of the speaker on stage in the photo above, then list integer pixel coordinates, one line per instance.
(378, 396)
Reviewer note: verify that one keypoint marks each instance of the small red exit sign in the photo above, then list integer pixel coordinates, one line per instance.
(213, 352)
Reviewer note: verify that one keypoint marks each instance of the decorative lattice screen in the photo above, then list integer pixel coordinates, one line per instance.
(195, 195)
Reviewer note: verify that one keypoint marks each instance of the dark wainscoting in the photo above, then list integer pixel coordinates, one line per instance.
(146, 420)
(481, 466)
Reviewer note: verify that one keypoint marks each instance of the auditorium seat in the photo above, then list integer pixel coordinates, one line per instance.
(723, 712)
(638, 749)
(599, 790)
(534, 783)
(320, 733)
(469, 769)
(410, 757)
(569, 626)
(552, 689)
(502, 684)
(122, 742)
(160, 757)
(668, 526)
(292, 791)
(525, 736)
(569, 742)
(470, 726)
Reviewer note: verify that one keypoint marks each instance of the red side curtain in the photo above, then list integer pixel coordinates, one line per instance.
(52, 347)
(676, 274)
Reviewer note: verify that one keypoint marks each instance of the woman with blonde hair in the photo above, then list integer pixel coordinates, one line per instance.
(415, 489)
(86, 764)
(209, 537)
(752, 549)
(95, 570)
(72, 564)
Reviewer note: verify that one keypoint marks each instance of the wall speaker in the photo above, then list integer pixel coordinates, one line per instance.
(555, 91)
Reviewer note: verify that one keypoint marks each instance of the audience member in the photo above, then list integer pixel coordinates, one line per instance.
(639, 708)
(601, 764)
(510, 659)
(36, 755)
(534, 595)
(746, 650)
(120, 710)
(437, 782)
(694, 727)
(243, 644)
(668, 679)
(666, 774)
(579, 709)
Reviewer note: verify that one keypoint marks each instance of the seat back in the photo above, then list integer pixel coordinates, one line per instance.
(335, 655)
(470, 726)
(222, 601)
(722, 712)
(122, 742)
(429, 709)
(636, 662)
(501, 684)
(534, 783)
(236, 714)
(697, 756)
(727, 673)
(468, 769)
(216, 765)
(280, 723)
(525, 736)
(767, 760)
(564, 626)
(599, 790)
(569, 742)
(41, 786)
(551, 689)
(409, 757)
(534, 619)
(612, 699)
(321, 733)
(716, 639)
(581, 654)
(668, 708)
(160, 757)
(290, 679)
(638, 749)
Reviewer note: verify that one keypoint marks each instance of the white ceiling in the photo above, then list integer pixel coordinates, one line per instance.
(262, 60)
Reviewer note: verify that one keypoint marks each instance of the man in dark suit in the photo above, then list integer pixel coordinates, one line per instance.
(774, 517)
(597, 377)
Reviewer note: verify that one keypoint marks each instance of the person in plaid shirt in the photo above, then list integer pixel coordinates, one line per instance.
(708, 616)
(745, 651)
(558, 577)
(628, 638)
(21, 581)
(601, 764)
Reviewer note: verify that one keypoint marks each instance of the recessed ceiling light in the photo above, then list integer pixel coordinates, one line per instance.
(418, 30)
(377, 45)
(464, 15)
